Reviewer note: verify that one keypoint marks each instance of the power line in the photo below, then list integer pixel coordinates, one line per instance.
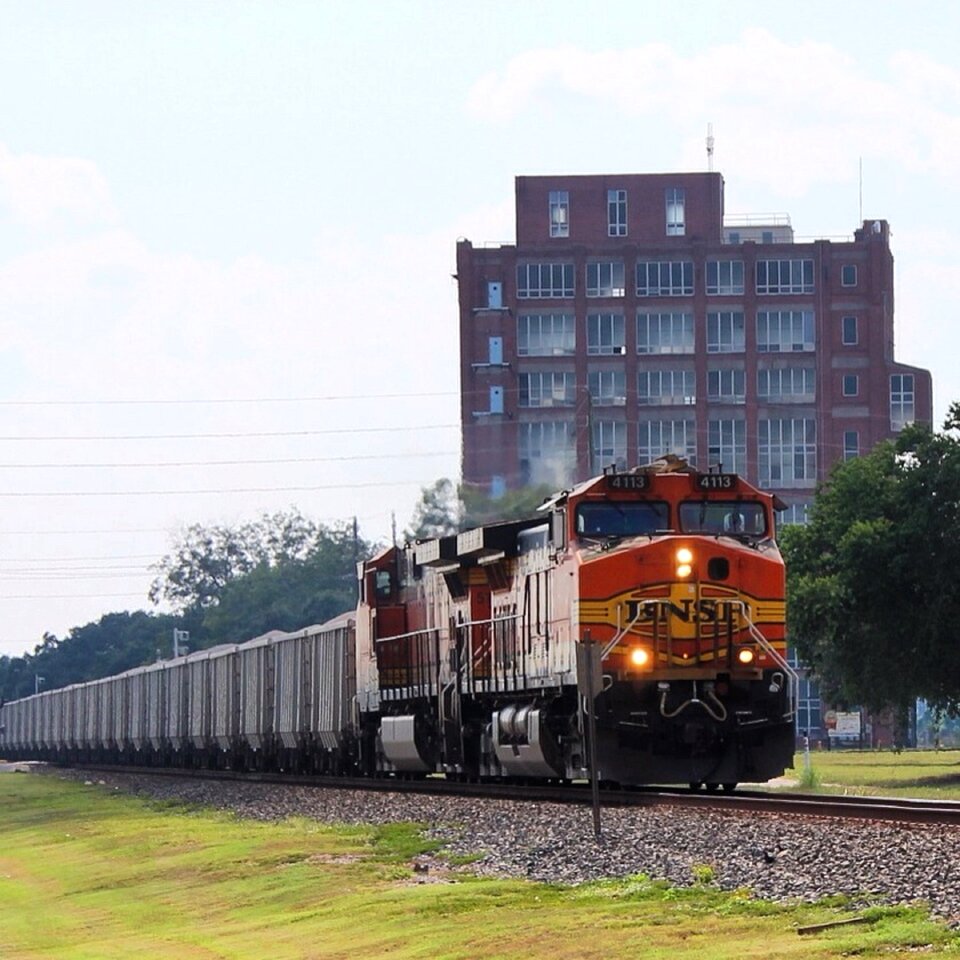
(227, 463)
(216, 490)
(232, 436)
(212, 401)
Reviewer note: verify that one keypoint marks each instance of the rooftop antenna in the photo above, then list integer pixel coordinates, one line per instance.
(861, 190)
(710, 147)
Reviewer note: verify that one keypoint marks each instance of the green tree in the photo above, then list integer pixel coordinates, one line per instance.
(873, 596)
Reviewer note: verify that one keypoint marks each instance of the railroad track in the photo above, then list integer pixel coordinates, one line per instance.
(752, 801)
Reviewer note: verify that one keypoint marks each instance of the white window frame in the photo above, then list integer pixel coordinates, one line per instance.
(785, 276)
(903, 409)
(727, 444)
(724, 278)
(844, 273)
(727, 385)
(851, 444)
(546, 335)
(726, 331)
(786, 331)
(605, 278)
(608, 387)
(559, 206)
(672, 386)
(616, 213)
(787, 384)
(668, 332)
(545, 281)
(787, 452)
(608, 444)
(843, 330)
(848, 381)
(656, 438)
(606, 335)
(675, 198)
(665, 278)
(547, 388)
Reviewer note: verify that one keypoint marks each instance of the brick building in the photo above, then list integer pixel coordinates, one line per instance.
(630, 319)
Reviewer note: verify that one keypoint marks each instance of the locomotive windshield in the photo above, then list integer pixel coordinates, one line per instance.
(621, 519)
(723, 516)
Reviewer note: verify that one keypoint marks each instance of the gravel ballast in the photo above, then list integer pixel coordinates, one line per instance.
(777, 857)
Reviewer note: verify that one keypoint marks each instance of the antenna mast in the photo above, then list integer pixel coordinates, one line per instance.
(710, 147)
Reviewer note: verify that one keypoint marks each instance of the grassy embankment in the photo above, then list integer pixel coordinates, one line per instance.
(934, 774)
(87, 874)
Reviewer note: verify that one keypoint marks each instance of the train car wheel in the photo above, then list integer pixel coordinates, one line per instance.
(729, 787)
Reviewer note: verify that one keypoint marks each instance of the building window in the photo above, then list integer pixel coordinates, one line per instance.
(766, 236)
(784, 276)
(725, 331)
(605, 335)
(851, 444)
(545, 335)
(665, 278)
(849, 331)
(657, 438)
(724, 277)
(609, 444)
(671, 387)
(608, 388)
(851, 385)
(795, 514)
(544, 280)
(901, 401)
(733, 236)
(787, 384)
(784, 331)
(726, 386)
(616, 213)
(550, 388)
(559, 213)
(665, 333)
(498, 486)
(548, 452)
(727, 445)
(848, 275)
(675, 216)
(605, 279)
(787, 452)
(496, 400)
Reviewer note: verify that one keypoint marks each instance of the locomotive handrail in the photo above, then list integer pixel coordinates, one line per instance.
(793, 686)
(605, 652)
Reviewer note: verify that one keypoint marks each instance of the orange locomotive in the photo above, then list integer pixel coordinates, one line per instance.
(470, 648)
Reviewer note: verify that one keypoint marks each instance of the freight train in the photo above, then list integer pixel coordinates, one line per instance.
(647, 605)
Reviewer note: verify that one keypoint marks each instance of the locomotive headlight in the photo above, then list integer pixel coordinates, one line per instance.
(684, 562)
(745, 655)
(639, 657)
(684, 570)
(684, 555)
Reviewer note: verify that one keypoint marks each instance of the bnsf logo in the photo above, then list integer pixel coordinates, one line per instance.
(704, 610)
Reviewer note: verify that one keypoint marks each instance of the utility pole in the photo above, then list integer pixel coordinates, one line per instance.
(37, 680)
(180, 641)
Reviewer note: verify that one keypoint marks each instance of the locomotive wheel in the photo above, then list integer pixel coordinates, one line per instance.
(729, 787)
(712, 787)
(695, 785)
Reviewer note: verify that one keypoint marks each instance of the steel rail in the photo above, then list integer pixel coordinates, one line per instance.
(906, 810)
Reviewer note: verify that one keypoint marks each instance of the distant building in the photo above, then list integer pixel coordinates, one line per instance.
(631, 319)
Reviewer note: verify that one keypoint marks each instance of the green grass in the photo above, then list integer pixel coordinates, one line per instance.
(93, 875)
(934, 774)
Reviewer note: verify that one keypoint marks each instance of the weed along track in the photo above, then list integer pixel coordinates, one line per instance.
(806, 852)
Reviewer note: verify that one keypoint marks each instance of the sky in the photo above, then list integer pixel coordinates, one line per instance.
(227, 233)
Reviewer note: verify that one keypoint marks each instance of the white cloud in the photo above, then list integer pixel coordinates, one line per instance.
(44, 192)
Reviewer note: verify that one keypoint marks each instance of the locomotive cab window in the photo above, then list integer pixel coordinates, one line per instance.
(626, 519)
(723, 516)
